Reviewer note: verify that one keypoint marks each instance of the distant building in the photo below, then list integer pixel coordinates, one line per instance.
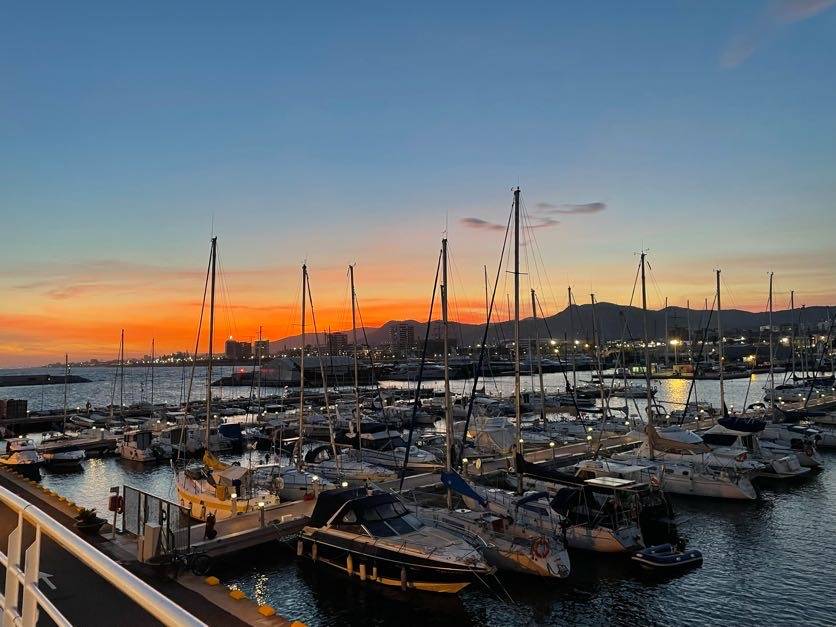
(261, 348)
(436, 346)
(237, 351)
(338, 369)
(337, 343)
(402, 337)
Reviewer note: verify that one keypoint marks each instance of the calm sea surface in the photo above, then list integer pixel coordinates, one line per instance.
(766, 563)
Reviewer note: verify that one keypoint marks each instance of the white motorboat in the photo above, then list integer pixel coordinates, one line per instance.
(727, 441)
(22, 456)
(57, 461)
(346, 466)
(387, 448)
(141, 446)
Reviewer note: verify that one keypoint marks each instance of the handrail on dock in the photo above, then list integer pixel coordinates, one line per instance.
(158, 605)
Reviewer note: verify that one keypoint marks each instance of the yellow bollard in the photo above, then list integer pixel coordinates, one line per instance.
(266, 610)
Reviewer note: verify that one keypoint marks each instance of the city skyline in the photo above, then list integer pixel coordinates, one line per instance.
(362, 137)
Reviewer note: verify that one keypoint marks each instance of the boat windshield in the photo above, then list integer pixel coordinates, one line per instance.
(381, 519)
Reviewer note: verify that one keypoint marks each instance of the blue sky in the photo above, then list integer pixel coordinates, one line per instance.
(343, 132)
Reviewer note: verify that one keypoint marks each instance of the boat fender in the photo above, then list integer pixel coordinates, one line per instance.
(541, 547)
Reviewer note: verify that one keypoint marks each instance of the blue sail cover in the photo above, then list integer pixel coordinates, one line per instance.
(456, 483)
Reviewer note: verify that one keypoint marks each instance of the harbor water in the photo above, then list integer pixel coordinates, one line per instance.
(768, 562)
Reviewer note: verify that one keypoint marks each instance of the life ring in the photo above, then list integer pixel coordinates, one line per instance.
(541, 548)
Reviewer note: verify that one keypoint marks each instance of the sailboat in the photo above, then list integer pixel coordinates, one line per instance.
(509, 545)
(678, 460)
(215, 488)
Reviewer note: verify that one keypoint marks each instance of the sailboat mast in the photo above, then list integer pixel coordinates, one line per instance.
(302, 371)
(122, 374)
(152, 370)
(720, 349)
(771, 353)
(517, 412)
(487, 317)
(539, 358)
(648, 393)
(596, 339)
(667, 341)
(448, 410)
(356, 370)
(211, 346)
(260, 355)
(792, 332)
(572, 344)
(688, 320)
(66, 376)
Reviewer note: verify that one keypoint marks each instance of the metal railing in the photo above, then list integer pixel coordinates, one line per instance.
(142, 507)
(25, 614)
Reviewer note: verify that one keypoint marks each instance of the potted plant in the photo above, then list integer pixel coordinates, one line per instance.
(88, 522)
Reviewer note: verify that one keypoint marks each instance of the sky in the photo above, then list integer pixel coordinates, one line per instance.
(337, 133)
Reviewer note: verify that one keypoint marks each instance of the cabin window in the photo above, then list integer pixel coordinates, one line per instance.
(350, 517)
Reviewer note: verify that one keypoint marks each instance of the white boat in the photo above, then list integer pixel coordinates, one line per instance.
(779, 463)
(683, 464)
(684, 478)
(347, 466)
(221, 490)
(631, 391)
(22, 456)
(543, 556)
(800, 439)
(63, 460)
(138, 446)
(388, 449)
(532, 515)
(294, 484)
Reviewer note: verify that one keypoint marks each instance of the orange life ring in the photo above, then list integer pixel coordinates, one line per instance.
(541, 548)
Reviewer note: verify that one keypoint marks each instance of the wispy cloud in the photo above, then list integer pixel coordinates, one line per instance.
(569, 209)
(779, 14)
(479, 223)
(542, 223)
(533, 222)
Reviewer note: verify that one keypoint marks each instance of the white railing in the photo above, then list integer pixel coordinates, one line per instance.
(146, 597)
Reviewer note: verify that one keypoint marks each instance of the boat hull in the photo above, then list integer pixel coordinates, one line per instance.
(380, 566)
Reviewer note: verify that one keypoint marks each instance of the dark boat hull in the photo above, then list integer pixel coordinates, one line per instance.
(382, 566)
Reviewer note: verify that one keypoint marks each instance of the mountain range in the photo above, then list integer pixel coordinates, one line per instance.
(611, 319)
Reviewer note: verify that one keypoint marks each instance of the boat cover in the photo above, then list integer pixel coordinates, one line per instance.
(456, 483)
(665, 445)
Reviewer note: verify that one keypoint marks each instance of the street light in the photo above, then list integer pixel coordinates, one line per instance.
(675, 343)
(551, 446)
